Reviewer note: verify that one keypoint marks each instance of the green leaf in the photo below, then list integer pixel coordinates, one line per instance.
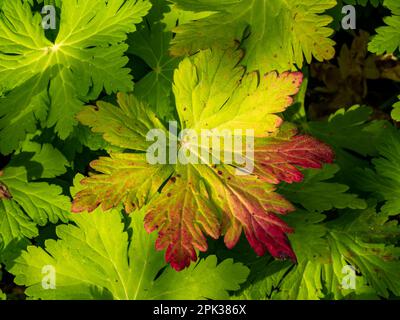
(206, 279)
(377, 262)
(26, 203)
(87, 138)
(384, 182)
(177, 16)
(260, 289)
(305, 277)
(374, 3)
(151, 43)
(365, 135)
(87, 56)
(281, 33)
(43, 160)
(29, 103)
(387, 39)
(326, 250)
(41, 202)
(98, 259)
(315, 194)
(351, 246)
(15, 228)
(396, 111)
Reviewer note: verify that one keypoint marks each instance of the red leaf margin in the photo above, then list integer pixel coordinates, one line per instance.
(255, 211)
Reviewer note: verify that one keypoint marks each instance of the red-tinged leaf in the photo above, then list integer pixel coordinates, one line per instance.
(251, 205)
(277, 160)
(126, 178)
(183, 214)
(213, 92)
(186, 212)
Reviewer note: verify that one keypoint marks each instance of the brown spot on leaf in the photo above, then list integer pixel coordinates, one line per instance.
(4, 193)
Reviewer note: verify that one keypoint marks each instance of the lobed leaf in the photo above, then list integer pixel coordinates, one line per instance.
(97, 259)
(387, 39)
(188, 202)
(276, 34)
(86, 56)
